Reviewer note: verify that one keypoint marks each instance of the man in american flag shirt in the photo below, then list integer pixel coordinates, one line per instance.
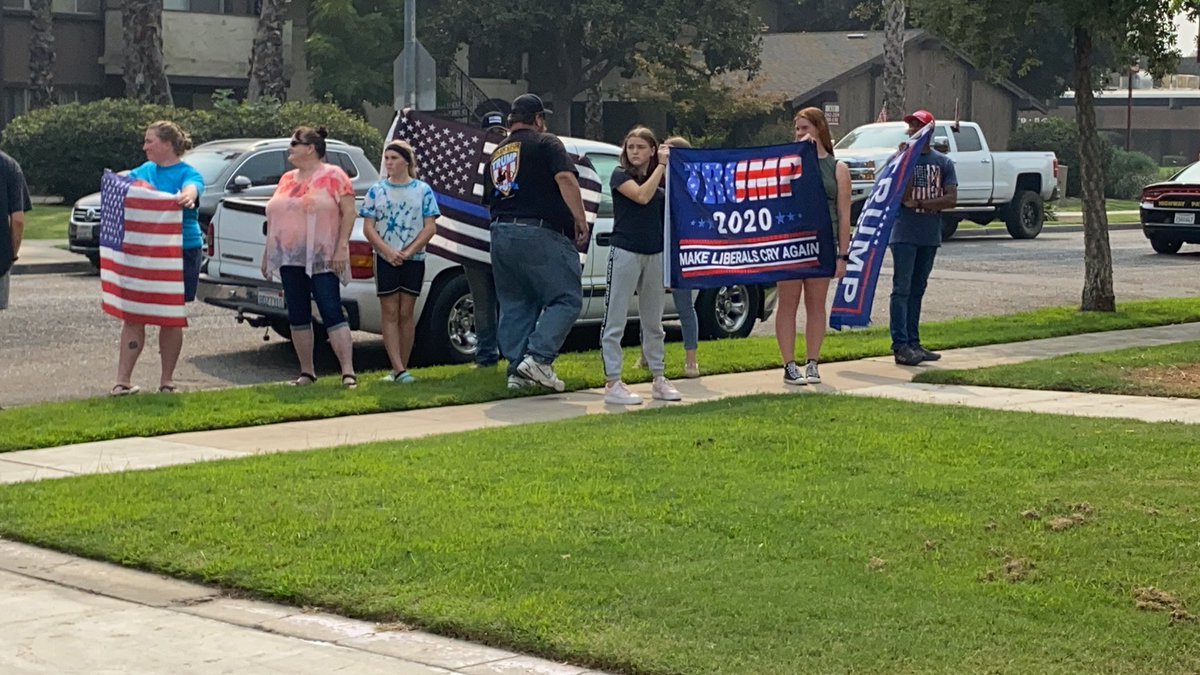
(916, 237)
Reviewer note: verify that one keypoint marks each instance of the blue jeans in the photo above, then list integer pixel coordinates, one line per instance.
(483, 294)
(912, 265)
(300, 291)
(685, 305)
(539, 286)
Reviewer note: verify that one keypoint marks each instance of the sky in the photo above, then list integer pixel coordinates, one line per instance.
(1187, 35)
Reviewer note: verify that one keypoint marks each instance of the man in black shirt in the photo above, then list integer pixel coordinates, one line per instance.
(14, 202)
(537, 222)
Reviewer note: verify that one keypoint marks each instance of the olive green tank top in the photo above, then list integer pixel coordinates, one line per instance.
(828, 166)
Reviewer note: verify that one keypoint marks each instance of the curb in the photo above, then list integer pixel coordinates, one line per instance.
(1001, 232)
(82, 266)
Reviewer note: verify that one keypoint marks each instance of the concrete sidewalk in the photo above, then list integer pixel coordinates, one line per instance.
(43, 256)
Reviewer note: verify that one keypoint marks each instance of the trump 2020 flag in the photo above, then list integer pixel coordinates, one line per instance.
(141, 253)
(746, 216)
(855, 294)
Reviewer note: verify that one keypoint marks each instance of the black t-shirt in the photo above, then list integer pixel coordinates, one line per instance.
(636, 227)
(14, 198)
(519, 182)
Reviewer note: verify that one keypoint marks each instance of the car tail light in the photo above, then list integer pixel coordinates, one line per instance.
(1056, 168)
(362, 260)
(1153, 194)
(210, 232)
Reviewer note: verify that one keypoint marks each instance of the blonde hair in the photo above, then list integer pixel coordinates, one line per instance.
(169, 132)
(645, 134)
(816, 117)
(677, 142)
(405, 150)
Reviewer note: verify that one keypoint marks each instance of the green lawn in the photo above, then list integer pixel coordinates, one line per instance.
(47, 222)
(1169, 370)
(785, 534)
(1073, 204)
(103, 418)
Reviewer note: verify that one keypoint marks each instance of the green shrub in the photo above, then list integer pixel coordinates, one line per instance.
(64, 149)
(1062, 138)
(1127, 173)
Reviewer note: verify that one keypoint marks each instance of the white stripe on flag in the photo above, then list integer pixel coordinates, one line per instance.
(144, 309)
(156, 240)
(469, 231)
(779, 263)
(152, 216)
(460, 249)
(141, 285)
(140, 261)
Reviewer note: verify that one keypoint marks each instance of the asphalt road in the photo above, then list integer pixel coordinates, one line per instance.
(55, 343)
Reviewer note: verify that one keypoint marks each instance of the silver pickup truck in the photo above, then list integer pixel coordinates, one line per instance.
(445, 310)
(1008, 186)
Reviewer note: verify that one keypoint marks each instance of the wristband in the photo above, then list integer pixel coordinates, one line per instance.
(844, 256)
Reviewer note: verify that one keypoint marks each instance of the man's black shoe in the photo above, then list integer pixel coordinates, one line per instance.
(907, 356)
(927, 355)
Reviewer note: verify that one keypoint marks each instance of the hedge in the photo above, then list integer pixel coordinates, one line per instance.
(64, 149)
(1125, 172)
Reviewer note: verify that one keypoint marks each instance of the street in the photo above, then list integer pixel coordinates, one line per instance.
(56, 344)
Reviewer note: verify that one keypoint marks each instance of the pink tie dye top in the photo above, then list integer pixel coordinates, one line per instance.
(303, 219)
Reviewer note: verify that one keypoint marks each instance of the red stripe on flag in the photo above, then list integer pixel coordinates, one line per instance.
(153, 251)
(141, 272)
(152, 204)
(146, 227)
(131, 317)
(165, 299)
(734, 243)
(749, 270)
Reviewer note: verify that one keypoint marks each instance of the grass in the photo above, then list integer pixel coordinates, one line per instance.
(1073, 204)
(784, 534)
(47, 222)
(1169, 370)
(104, 418)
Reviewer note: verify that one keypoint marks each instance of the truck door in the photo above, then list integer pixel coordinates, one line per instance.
(973, 165)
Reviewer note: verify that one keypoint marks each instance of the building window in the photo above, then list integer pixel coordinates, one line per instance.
(14, 104)
(59, 6)
(233, 7)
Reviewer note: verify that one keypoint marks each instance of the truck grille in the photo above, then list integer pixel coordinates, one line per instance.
(82, 215)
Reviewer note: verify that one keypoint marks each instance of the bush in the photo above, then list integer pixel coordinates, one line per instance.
(1059, 136)
(64, 149)
(1127, 173)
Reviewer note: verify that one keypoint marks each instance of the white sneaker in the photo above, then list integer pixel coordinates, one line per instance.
(811, 374)
(663, 390)
(516, 383)
(691, 370)
(542, 374)
(617, 393)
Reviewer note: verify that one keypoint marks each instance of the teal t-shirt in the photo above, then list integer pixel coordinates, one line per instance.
(173, 179)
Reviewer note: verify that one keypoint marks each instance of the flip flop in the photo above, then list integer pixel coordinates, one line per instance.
(304, 380)
(168, 389)
(350, 381)
(124, 390)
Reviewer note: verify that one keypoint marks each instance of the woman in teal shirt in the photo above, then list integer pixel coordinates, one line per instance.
(164, 144)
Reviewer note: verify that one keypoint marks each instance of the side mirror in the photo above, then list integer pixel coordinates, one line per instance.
(941, 143)
(240, 183)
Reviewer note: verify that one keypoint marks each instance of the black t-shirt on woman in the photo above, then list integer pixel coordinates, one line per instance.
(636, 228)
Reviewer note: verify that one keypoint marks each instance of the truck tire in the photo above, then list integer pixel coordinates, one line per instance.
(446, 331)
(283, 330)
(949, 226)
(1166, 246)
(1025, 215)
(728, 312)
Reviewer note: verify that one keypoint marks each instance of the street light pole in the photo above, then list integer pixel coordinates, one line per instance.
(1129, 111)
(410, 53)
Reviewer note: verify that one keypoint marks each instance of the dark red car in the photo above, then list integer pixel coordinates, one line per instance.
(1171, 211)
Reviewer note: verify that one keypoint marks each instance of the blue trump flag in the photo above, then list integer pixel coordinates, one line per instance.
(746, 216)
(855, 292)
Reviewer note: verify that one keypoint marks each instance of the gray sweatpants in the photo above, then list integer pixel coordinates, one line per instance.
(630, 272)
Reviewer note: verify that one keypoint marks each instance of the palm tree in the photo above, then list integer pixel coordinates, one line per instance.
(145, 69)
(41, 55)
(267, 77)
(893, 58)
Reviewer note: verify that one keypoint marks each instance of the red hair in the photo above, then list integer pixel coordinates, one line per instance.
(815, 117)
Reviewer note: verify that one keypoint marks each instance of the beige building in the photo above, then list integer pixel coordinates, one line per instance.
(206, 45)
(1162, 122)
(842, 73)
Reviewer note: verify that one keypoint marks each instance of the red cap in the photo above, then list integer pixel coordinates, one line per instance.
(922, 117)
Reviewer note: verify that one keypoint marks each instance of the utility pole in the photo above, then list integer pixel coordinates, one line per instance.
(410, 53)
(1133, 68)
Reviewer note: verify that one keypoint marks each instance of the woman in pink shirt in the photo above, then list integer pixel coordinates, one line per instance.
(309, 220)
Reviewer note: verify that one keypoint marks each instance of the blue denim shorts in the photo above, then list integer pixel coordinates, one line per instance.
(301, 290)
(192, 257)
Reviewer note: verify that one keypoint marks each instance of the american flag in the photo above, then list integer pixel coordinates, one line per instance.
(453, 158)
(141, 253)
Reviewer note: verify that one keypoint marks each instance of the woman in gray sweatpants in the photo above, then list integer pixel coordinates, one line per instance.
(635, 265)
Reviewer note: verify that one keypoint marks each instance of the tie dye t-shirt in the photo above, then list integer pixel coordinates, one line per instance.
(399, 211)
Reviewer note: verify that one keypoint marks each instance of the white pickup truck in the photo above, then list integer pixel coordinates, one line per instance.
(236, 237)
(1009, 186)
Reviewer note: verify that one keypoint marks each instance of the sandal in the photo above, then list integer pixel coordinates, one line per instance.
(168, 389)
(304, 380)
(123, 390)
(350, 381)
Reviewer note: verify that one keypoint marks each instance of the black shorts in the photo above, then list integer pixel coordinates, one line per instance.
(192, 257)
(406, 278)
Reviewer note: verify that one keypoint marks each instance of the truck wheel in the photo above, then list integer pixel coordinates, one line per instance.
(1025, 216)
(446, 333)
(94, 258)
(949, 227)
(1166, 246)
(728, 311)
(283, 330)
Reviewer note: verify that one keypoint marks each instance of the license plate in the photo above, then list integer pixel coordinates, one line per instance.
(270, 298)
(84, 231)
(1185, 219)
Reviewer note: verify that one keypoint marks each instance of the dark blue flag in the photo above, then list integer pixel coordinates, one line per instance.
(855, 294)
(746, 216)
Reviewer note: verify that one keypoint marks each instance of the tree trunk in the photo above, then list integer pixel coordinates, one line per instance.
(145, 68)
(1097, 254)
(41, 55)
(267, 77)
(593, 113)
(893, 59)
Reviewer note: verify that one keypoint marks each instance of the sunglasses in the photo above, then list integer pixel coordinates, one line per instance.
(296, 142)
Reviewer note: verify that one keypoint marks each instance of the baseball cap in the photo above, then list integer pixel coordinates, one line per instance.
(492, 119)
(529, 104)
(922, 117)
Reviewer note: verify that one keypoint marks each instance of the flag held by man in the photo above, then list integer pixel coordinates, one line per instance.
(141, 253)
